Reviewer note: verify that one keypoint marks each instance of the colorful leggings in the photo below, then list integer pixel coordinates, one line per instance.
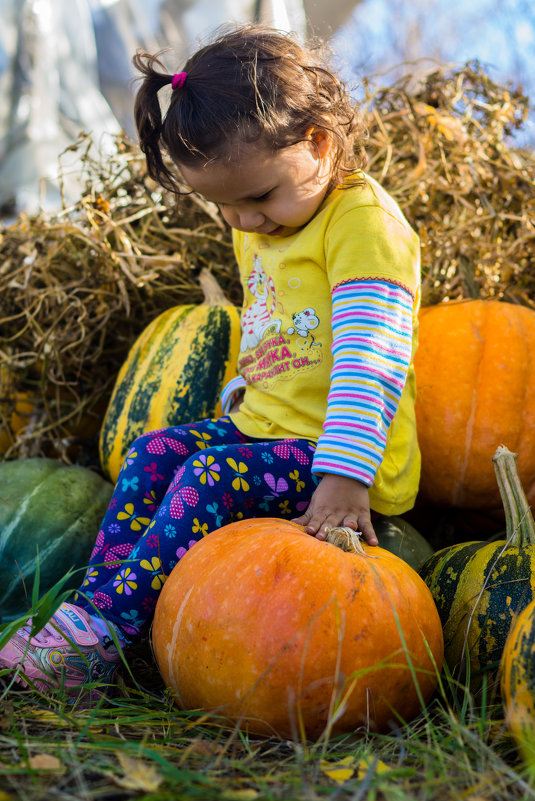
(176, 486)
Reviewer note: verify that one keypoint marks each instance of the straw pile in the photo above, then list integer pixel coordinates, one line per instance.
(442, 152)
(78, 287)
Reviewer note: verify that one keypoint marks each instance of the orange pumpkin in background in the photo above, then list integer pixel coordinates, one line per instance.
(286, 635)
(476, 390)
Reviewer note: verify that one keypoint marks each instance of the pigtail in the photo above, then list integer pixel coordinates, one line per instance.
(250, 84)
(148, 118)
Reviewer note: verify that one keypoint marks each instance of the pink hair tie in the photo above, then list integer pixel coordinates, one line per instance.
(178, 80)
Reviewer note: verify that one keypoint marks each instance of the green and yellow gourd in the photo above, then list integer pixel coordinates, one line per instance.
(518, 685)
(174, 372)
(50, 515)
(479, 587)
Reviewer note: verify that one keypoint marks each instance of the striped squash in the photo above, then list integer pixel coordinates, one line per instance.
(478, 587)
(518, 685)
(50, 514)
(173, 374)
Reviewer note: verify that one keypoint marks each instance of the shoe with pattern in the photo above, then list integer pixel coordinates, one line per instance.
(65, 653)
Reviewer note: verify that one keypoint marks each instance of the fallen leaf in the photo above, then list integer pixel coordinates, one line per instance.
(366, 762)
(450, 127)
(239, 795)
(201, 747)
(46, 762)
(339, 771)
(138, 775)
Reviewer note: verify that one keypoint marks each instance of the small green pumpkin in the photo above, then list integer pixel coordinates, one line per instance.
(400, 538)
(49, 512)
(518, 685)
(173, 374)
(479, 587)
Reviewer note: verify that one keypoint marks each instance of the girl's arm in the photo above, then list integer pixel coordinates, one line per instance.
(232, 394)
(372, 344)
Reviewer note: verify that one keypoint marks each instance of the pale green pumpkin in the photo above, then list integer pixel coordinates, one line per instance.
(50, 515)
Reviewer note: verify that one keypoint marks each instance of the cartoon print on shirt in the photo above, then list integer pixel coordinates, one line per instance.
(257, 318)
(304, 322)
(276, 342)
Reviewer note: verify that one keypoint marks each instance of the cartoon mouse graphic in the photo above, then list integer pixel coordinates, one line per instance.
(303, 323)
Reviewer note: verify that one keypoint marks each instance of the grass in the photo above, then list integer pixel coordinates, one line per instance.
(138, 745)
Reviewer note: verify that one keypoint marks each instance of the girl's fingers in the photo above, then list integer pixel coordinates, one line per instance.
(320, 526)
(368, 532)
(301, 521)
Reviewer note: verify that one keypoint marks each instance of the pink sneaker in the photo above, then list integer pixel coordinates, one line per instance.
(65, 653)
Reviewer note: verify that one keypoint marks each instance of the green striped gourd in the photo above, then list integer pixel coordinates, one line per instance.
(478, 587)
(49, 512)
(174, 372)
(518, 685)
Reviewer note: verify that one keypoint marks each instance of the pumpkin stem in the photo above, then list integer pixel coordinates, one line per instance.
(348, 540)
(213, 294)
(519, 522)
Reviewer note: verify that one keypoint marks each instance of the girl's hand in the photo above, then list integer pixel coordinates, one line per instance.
(237, 402)
(338, 501)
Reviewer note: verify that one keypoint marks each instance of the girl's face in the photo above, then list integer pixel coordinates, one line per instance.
(265, 192)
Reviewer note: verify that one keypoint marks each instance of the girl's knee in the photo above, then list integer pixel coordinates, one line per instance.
(147, 436)
(158, 441)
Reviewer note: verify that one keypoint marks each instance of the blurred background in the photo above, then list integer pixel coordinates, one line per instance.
(65, 65)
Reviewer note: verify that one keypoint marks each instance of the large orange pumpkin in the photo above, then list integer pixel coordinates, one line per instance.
(287, 635)
(476, 390)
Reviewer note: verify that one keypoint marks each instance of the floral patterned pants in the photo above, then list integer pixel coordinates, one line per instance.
(177, 485)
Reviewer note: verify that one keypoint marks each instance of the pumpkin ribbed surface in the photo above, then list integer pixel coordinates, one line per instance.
(476, 389)
(518, 684)
(174, 374)
(49, 512)
(280, 632)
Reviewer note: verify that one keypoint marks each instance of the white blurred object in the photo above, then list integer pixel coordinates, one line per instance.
(122, 26)
(177, 26)
(66, 67)
(48, 94)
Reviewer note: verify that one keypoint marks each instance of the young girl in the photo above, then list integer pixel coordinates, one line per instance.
(322, 427)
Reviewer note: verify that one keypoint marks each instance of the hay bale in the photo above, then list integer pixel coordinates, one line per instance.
(443, 151)
(78, 287)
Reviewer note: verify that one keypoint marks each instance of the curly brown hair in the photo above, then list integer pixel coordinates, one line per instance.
(250, 83)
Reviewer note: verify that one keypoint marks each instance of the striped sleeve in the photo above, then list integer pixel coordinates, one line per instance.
(228, 395)
(372, 344)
